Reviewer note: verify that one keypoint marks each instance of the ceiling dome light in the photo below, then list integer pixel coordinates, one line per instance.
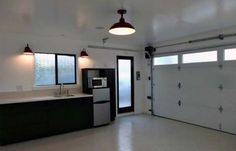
(122, 27)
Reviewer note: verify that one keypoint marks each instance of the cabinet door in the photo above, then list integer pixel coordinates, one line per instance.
(70, 114)
(21, 114)
(23, 121)
(102, 94)
(101, 113)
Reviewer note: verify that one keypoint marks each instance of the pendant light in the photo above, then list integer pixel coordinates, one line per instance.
(122, 27)
(27, 50)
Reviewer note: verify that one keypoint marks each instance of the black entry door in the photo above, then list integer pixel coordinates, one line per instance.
(125, 84)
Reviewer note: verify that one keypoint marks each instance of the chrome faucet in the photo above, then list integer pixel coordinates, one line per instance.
(61, 87)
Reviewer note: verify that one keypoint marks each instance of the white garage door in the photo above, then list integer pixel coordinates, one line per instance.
(200, 93)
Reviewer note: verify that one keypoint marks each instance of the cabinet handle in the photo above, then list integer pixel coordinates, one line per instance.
(101, 102)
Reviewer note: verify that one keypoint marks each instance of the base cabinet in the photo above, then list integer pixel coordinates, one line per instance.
(25, 121)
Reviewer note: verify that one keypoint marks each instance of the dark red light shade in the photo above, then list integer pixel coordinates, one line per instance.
(122, 24)
(122, 27)
(83, 54)
(27, 50)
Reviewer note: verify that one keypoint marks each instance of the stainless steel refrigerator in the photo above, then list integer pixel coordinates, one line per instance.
(101, 104)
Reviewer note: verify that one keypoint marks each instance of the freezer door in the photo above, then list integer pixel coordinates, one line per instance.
(101, 113)
(101, 94)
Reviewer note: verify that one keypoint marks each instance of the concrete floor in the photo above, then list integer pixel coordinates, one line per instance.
(134, 133)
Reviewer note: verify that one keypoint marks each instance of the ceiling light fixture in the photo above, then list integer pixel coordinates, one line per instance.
(27, 50)
(122, 27)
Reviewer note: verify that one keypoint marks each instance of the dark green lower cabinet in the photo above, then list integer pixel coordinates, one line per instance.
(25, 121)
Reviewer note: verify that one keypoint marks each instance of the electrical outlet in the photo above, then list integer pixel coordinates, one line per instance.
(19, 88)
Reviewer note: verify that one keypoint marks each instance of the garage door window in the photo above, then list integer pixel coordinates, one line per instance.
(208, 56)
(166, 60)
(230, 54)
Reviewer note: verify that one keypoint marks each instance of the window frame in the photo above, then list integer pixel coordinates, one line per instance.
(56, 68)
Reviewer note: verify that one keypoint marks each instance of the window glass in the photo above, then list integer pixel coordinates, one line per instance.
(66, 69)
(230, 54)
(166, 60)
(44, 69)
(52, 69)
(208, 56)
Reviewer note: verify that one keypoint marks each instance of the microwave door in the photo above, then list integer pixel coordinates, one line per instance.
(96, 83)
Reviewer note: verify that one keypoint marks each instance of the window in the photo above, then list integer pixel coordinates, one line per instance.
(166, 60)
(53, 69)
(230, 54)
(208, 56)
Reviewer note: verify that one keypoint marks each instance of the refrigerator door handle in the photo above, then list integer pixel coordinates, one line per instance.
(101, 102)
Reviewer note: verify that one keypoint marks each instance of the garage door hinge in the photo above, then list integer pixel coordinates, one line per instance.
(179, 85)
(179, 103)
(221, 109)
(220, 126)
(221, 87)
(179, 68)
(220, 66)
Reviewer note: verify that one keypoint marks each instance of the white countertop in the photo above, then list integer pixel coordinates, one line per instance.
(43, 98)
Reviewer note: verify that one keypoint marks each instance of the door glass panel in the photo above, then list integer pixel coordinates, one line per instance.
(124, 73)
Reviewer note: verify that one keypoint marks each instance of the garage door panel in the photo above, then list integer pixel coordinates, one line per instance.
(204, 116)
(228, 120)
(165, 82)
(227, 76)
(228, 99)
(163, 93)
(202, 97)
(199, 79)
(169, 110)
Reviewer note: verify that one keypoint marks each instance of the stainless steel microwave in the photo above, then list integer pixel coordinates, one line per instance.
(97, 82)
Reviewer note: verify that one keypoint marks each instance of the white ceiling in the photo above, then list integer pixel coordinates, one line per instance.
(154, 20)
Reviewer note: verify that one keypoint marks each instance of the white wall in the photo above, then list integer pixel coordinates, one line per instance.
(17, 70)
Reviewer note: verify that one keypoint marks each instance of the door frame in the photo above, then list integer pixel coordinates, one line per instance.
(131, 108)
